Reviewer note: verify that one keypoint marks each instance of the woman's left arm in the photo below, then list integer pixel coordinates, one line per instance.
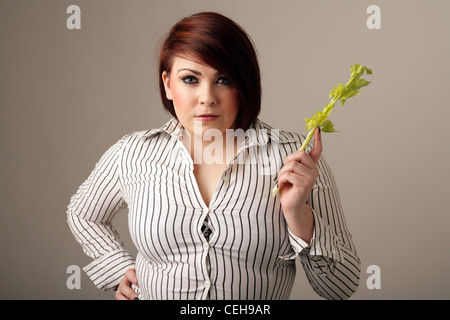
(316, 223)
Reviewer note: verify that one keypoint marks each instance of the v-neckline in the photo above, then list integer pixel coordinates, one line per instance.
(205, 186)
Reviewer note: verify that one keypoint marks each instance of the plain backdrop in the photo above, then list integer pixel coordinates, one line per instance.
(67, 95)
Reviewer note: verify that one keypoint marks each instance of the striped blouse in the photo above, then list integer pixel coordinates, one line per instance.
(248, 252)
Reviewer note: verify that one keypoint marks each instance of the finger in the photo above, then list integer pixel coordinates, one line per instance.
(120, 296)
(302, 172)
(291, 179)
(295, 156)
(316, 150)
(298, 168)
(300, 156)
(130, 274)
(127, 292)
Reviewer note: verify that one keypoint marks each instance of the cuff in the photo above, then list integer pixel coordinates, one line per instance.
(107, 271)
(324, 242)
(297, 245)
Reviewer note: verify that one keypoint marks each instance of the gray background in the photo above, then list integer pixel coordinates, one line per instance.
(67, 95)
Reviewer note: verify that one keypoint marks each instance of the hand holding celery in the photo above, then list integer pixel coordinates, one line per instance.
(342, 93)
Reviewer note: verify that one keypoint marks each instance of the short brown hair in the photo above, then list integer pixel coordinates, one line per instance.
(222, 44)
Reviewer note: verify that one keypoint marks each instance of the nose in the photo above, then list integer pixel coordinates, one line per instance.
(207, 95)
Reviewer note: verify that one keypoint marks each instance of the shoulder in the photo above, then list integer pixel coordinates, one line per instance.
(133, 139)
(128, 138)
(144, 139)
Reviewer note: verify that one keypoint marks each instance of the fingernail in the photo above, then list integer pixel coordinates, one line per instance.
(136, 298)
(276, 175)
(319, 130)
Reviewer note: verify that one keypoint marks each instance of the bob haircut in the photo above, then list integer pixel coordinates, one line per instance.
(222, 44)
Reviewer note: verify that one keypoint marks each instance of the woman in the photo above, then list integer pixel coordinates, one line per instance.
(211, 229)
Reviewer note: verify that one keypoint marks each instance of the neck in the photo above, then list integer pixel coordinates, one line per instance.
(217, 149)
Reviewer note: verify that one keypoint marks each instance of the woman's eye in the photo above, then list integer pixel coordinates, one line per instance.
(189, 80)
(223, 80)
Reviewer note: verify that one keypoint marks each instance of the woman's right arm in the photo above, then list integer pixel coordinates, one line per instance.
(89, 215)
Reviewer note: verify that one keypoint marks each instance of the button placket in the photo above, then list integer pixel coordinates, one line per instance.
(205, 255)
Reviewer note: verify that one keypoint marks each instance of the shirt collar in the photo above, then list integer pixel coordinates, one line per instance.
(172, 127)
(259, 133)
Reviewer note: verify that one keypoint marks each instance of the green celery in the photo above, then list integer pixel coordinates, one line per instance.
(342, 93)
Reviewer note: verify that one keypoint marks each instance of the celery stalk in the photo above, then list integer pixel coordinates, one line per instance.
(342, 93)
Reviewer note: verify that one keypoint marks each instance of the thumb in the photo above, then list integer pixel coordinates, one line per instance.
(316, 150)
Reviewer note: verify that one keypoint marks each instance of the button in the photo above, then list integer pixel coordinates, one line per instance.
(207, 284)
(206, 210)
(206, 246)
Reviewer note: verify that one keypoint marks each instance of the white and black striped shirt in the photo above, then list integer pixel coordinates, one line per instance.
(250, 252)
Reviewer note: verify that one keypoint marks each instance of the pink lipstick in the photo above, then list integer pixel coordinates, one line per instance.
(206, 117)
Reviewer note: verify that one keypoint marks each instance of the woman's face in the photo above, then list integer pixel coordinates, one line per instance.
(197, 89)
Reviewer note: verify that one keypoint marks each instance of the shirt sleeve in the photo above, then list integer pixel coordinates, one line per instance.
(89, 215)
(330, 260)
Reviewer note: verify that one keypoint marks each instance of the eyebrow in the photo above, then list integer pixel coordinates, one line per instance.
(196, 72)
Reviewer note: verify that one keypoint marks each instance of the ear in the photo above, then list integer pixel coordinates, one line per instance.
(165, 78)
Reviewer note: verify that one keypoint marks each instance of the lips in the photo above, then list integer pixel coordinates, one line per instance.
(207, 115)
